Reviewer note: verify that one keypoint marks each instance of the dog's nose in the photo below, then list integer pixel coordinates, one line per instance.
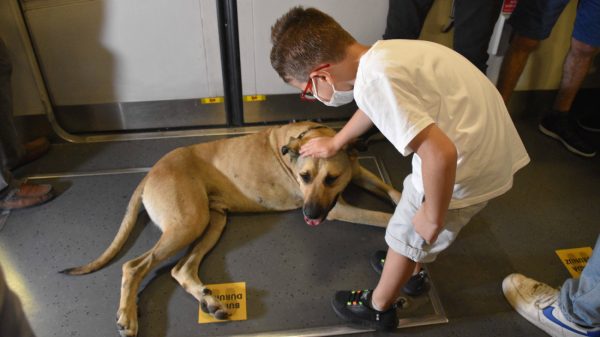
(313, 211)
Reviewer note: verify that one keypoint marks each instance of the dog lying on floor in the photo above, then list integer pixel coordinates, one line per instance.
(188, 192)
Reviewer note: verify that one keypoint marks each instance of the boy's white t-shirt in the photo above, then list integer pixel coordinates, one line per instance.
(405, 85)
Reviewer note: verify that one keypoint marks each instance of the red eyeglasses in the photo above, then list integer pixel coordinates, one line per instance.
(305, 95)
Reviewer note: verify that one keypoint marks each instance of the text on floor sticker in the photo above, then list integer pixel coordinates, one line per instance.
(575, 259)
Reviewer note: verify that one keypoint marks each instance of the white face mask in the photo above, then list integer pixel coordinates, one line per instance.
(338, 98)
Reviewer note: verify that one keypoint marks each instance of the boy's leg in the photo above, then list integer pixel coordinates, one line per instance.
(396, 272)
(579, 299)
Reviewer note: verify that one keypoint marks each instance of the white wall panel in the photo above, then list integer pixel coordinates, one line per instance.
(365, 20)
(127, 51)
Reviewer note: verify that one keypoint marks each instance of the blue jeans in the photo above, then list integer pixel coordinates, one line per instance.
(579, 299)
(11, 147)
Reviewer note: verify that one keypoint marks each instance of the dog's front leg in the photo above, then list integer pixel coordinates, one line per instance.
(346, 212)
(370, 182)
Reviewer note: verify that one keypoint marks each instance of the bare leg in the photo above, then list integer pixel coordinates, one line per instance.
(513, 64)
(396, 272)
(559, 123)
(576, 66)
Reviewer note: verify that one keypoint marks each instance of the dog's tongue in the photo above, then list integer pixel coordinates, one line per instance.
(312, 222)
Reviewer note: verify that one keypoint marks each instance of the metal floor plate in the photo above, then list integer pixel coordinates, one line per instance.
(291, 270)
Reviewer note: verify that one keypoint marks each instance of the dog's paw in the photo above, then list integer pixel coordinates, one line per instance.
(127, 322)
(214, 307)
(395, 196)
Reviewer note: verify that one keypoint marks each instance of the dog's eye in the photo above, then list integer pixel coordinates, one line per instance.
(305, 177)
(330, 180)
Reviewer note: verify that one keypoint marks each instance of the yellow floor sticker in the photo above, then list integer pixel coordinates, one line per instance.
(575, 259)
(233, 296)
(255, 98)
(212, 100)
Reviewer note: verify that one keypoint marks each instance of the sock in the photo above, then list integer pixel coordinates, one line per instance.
(372, 304)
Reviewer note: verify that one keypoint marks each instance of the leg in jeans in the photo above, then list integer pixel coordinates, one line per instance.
(13, 196)
(6, 178)
(474, 22)
(9, 143)
(579, 299)
(9, 138)
(405, 18)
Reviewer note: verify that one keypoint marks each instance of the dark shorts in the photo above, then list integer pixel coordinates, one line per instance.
(536, 18)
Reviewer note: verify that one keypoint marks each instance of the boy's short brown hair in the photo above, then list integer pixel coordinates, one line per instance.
(304, 38)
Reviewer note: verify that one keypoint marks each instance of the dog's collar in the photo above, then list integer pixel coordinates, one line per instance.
(310, 129)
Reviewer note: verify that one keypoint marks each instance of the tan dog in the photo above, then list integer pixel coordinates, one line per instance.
(189, 191)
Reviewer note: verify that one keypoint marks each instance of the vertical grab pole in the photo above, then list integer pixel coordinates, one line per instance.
(230, 61)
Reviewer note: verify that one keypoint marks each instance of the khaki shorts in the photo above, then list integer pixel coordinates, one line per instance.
(402, 238)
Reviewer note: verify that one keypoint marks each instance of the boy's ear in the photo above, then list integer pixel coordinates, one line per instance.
(292, 147)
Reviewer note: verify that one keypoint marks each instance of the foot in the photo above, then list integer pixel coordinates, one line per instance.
(538, 303)
(212, 306)
(27, 195)
(33, 150)
(416, 285)
(355, 307)
(561, 127)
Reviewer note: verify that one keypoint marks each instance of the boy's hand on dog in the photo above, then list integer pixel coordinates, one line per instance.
(320, 147)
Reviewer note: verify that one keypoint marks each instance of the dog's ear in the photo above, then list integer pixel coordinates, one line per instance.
(292, 147)
(353, 147)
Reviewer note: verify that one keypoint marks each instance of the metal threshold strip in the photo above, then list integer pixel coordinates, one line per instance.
(207, 132)
(437, 317)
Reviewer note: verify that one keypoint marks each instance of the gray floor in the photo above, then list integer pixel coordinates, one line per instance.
(553, 205)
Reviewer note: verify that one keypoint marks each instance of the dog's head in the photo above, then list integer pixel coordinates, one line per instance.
(321, 180)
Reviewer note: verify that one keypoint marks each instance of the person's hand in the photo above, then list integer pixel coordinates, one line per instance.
(320, 147)
(427, 229)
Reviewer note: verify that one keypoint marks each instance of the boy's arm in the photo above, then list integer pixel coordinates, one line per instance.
(324, 147)
(438, 164)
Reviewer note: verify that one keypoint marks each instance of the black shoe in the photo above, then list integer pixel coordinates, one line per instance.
(377, 260)
(416, 285)
(355, 307)
(560, 126)
(590, 122)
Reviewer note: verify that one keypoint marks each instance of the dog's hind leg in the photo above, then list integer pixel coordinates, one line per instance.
(186, 271)
(172, 240)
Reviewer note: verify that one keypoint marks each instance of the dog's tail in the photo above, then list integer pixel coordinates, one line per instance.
(125, 229)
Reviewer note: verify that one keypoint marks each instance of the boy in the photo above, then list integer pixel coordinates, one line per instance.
(426, 99)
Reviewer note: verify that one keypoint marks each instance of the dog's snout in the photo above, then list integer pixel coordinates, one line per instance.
(313, 211)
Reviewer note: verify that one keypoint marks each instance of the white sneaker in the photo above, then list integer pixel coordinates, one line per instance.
(538, 303)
